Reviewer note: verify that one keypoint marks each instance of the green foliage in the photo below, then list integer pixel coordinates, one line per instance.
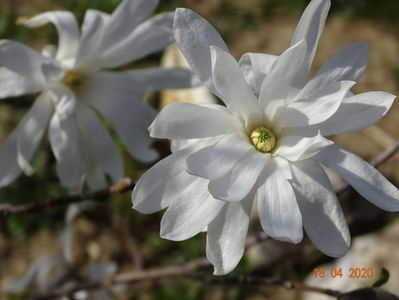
(384, 278)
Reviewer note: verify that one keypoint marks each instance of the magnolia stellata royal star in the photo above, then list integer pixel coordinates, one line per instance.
(267, 145)
(74, 82)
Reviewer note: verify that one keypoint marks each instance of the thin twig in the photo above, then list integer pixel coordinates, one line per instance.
(263, 281)
(121, 186)
(178, 270)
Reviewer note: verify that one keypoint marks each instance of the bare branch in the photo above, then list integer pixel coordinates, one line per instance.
(120, 187)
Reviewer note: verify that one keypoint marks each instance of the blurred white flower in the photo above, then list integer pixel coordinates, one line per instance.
(75, 82)
(266, 144)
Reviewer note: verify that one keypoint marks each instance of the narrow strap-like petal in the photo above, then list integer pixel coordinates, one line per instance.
(277, 206)
(309, 29)
(190, 121)
(23, 61)
(363, 177)
(100, 145)
(192, 209)
(322, 216)
(236, 184)
(348, 64)
(194, 36)
(232, 87)
(67, 28)
(226, 235)
(13, 84)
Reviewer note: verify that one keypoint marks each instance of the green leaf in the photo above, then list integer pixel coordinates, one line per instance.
(384, 277)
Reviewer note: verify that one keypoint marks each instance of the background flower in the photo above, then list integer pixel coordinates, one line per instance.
(77, 81)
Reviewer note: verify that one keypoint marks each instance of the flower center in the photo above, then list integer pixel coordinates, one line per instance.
(73, 78)
(263, 139)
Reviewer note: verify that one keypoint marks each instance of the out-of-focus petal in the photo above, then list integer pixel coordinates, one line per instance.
(65, 141)
(24, 61)
(67, 28)
(151, 36)
(362, 176)
(127, 112)
(151, 79)
(17, 150)
(13, 84)
(101, 146)
(322, 216)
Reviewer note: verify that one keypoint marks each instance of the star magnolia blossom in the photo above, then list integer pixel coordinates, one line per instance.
(267, 144)
(74, 84)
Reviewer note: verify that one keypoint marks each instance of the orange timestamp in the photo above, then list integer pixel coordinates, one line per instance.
(339, 272)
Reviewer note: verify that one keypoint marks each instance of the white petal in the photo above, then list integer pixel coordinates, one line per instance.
(65, 142)
(191, 210)
(148, 79)
(194, 36)
(240, 180)
(357, 112)
(23, 60)
(216, 160)
(151, 36)
(124, 20)
(255, 66)
(310, 28)
(232, 86)
(281, 82)
(94, 25)
(322, 216)
(348, 64)
(295, 148)
(320, 106)
(277, 206)
(152, 192)
(67, 27)
(13, 84)
(190, 121)
(127, 112)
(17, 150)
(64, 100)
(225, 241)
(363, 177)
(101, 146)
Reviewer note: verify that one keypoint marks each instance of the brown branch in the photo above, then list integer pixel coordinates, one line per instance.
(121, 186)
(263, 281)
(154, 274)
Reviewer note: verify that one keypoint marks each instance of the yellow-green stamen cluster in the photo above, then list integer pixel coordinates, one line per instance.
(73, 78)
(263, 139)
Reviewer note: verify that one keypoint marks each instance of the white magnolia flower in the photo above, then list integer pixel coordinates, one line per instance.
(75, 82)
(267, 144)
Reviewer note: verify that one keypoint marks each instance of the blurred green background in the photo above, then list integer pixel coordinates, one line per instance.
(247, 26)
